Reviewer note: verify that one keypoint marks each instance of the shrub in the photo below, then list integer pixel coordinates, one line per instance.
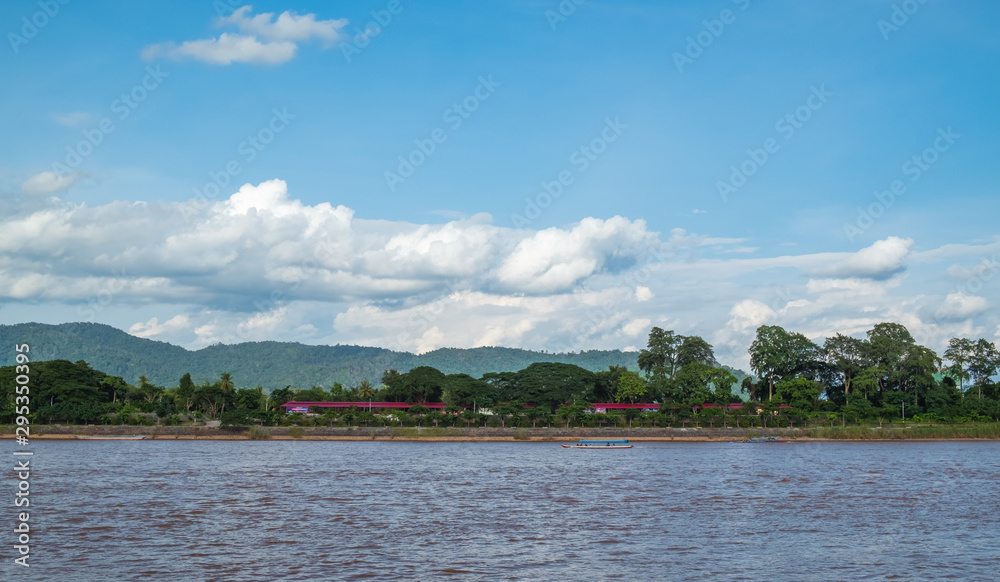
(259, 434)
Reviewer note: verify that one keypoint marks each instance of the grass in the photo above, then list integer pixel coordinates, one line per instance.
(258, 434)
(949, 431)
(296, 432)
(414, 432)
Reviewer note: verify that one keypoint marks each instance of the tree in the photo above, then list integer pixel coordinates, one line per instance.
(248, 399)
(226, 382)
(667, 352)
(281, 395)
(365, 390)
(630, 386)
(776, 354)
(846, 355)
(767, 355)
(959, 352)
(149, 391)
(750, 388)
(572, 412)
(692, 384)
(606, 387)
(722, 380)
(983, 363)
(631, 414)
(552, 384)
(799, 393)
(695, 349)
(464, 390)
(659, 359)
(185, 392)
(534, 414)
(421, 384)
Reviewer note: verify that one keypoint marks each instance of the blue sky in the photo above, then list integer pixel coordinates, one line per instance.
(301, 171)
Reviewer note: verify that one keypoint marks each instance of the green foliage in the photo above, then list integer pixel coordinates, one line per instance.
(799, 393)
(629, 387)
(552, 384)
(273, 365)
(258, 434)
(854, 380)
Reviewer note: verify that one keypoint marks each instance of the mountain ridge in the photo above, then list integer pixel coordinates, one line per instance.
(270, 364)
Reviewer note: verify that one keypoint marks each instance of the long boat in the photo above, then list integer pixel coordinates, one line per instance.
(136, 437)
(600, 444)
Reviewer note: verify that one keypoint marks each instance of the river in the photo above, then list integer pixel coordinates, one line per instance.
(322, 510)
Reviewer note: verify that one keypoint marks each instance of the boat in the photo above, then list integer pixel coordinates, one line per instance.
(600, 444)
(136, 437)
(768, 439)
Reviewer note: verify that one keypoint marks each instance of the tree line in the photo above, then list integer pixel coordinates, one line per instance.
(883, 375)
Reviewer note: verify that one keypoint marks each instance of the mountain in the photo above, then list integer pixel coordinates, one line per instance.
(268, 364)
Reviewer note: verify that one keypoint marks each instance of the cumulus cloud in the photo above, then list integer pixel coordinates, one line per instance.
(289, 26)
(281, 37)
(225, 50)
(262, 265)
(881, 260)
(958, 306)
(50, 182)
(153, 327)
(554, 259)
(260, 240)
(749, 314)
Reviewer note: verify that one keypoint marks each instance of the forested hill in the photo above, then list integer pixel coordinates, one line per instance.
(268, 364)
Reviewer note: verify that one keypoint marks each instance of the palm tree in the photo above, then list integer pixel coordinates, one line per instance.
(226, 382)
(365, 390)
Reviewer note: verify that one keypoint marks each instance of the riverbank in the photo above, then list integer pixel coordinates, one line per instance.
(860, 433)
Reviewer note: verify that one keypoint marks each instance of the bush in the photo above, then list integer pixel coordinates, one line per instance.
(258, 434)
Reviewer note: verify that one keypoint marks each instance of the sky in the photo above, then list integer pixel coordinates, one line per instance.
(556, 175)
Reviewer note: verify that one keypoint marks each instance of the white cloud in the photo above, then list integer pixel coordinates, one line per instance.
(958, 306)
(881, 260)
(262, 265)
(637, 327)
(259, 240)
(50, 182)
(281, 37)
(225, 50)
(554, 259)
(153, 327)
(749, 314)
(289, 26)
